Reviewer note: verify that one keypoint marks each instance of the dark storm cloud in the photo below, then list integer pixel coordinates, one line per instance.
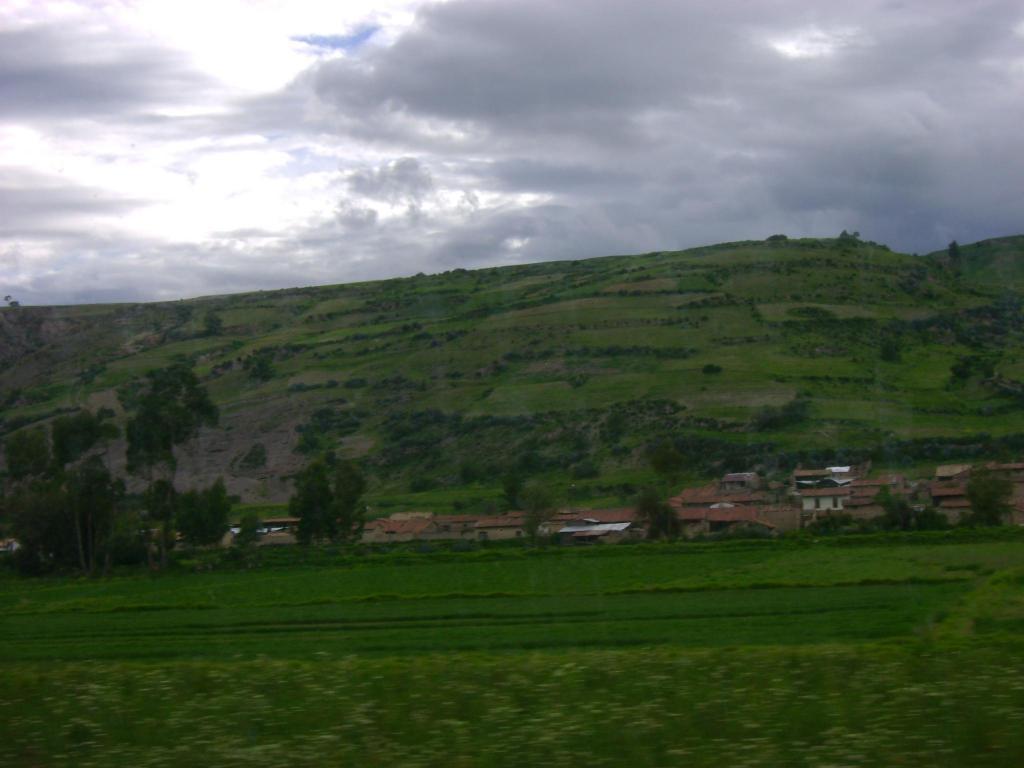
(57, 71)
(683, 122)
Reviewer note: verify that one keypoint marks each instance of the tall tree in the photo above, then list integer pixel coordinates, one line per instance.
(539, 503)
(349, 487)
(661, 520)
(64, 507)
(28, 454)
(989, 494)
(665, 459)
(953, 252)
(313, 504)
(162, 506)
(73, 436)
(93, 497)
(202, 516)
(169, 410)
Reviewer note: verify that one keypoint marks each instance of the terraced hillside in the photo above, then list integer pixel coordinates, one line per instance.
(741, 354)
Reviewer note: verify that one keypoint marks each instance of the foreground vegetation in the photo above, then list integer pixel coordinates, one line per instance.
(856, 651)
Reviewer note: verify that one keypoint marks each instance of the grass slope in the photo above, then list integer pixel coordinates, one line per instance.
(440, 383)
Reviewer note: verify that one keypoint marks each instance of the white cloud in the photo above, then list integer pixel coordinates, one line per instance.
(815, 43)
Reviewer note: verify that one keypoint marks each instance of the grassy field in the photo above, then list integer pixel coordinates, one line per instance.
(854, 652)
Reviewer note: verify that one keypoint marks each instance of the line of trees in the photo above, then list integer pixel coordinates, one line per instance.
(67, 510)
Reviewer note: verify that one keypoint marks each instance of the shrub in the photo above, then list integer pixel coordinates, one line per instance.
(711, 368)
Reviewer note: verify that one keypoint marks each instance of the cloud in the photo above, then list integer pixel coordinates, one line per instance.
(491, 131)
(58, 72)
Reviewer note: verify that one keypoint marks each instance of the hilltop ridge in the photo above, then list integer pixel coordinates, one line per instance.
(441, 383)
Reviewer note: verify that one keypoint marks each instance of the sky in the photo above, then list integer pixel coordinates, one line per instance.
(164, 149)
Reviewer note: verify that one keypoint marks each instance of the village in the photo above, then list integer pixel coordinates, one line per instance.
(739, 502)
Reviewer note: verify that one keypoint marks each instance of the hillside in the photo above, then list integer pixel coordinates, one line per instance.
(440, 384)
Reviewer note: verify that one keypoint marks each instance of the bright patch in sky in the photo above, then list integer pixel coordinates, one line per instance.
(814, 42)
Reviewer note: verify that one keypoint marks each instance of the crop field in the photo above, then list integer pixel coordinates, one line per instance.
(856, 652)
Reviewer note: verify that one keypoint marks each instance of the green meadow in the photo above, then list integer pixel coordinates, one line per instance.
(860, 651)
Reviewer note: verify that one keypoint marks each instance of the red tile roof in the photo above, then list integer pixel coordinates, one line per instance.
(859, 501)
(624, 515)
(812, 492)
(459, 519)
(955, 504)
(710, 494)
(948, 490)
(721, 515)
(811, 473)
(392, 527)
(500, 521)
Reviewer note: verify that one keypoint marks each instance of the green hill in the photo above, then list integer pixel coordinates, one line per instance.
(742, 354)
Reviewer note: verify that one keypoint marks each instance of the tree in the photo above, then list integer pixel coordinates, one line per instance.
(349, 487)
(897, 514)
(75, 435)
(539, 503)
(39, 522)
(665, 459)
(313, 504)
(661, 520)
(93, 497)
(213, 325)
(889, 350)
(169, 411)
(202, 516)
(260, 365)
(511, 487)
(162, 505)
(989, 494)
(28, 454)
(900, 515)
(248, 530)
(953, 252)
(64, 509)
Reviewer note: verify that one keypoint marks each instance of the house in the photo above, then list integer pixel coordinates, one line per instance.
(707, 495)
(565, 517)
(740, 481)
(590, 531)
(698, 521)
(809, 478)
(278, 538)
(861, 502)
(827, 476)
(948, 491)
(500, 527)
(392, 528)
(1014, 471)
(948, 473)
(278, 524)
(452, 527)
(816, 501)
